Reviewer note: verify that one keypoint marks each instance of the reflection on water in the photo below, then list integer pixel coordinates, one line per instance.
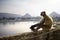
(15, 27)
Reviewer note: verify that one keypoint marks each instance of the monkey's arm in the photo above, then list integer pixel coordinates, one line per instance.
(41, 22)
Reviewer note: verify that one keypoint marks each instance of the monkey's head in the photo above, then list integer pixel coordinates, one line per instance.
(43, 13)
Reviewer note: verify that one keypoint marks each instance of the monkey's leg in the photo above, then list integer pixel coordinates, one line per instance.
(45, 30)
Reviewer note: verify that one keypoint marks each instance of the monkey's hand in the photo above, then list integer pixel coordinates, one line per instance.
(32, 27)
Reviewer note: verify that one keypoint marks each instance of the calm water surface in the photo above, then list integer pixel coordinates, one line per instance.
(15, 27)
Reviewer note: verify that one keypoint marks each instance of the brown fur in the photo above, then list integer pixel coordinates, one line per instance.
(45, 23)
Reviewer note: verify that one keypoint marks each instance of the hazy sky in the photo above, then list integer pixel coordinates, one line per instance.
(33, 7)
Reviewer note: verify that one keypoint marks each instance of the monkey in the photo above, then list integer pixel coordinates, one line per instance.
(45, 23)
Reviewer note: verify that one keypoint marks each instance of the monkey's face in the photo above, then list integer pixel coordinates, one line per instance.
(42, 14)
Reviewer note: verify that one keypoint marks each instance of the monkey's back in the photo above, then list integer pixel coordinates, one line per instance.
(48, 20)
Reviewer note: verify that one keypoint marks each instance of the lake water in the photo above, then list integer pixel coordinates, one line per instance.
(15, 27)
